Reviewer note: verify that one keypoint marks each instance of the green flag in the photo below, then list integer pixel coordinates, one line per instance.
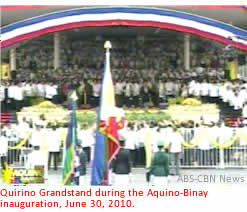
(69, 153)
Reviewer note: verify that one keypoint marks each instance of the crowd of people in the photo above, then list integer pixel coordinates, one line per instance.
(132, 94)
(227, 95)
(48, 138)
(141, 76)
(145, 73)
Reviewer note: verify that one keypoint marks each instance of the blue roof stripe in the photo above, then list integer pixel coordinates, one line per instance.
(171, 13)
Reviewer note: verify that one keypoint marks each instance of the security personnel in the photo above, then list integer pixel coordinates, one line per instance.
(160, 166)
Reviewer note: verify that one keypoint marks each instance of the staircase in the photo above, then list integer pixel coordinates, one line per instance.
(8, 117)
(233, 120)
(230, 116)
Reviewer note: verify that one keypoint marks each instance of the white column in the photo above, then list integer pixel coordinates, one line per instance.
(12, 55)
(187, 51)
(56, 50)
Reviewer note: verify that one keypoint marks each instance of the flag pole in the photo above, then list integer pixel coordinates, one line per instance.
(69, 145)
(106, 140)
(107, 46)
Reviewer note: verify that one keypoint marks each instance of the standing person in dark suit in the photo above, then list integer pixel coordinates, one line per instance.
(160, 166)
(89, 92)
(145, 94)
(121, 166)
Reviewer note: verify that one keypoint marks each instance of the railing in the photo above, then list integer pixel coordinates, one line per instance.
(219, 150)
(213, 153)
(233, 157)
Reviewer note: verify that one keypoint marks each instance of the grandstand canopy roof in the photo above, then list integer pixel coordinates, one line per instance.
(236, 15)
(234, 18)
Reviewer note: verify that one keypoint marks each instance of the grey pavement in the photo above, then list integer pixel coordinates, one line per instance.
(186, 177)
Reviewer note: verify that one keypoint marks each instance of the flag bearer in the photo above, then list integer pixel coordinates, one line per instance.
(122, 165)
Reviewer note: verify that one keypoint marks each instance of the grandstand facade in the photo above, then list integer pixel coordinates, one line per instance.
(162, 58)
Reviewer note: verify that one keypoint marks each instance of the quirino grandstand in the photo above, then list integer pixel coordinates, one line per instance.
(172, 66)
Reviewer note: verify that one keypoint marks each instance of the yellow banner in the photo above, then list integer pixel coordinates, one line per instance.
(22, 142)
(233, 69)
(5, 72)
(197, 140)
(239, 134)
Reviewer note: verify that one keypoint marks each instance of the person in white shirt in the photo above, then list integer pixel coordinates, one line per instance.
(96, 92)
(53, 143)
(41, 122)
(175, 150)
(204, 145)
(184, 90)
(35, 89)
(2, 93)
(136, 93)
(237, 103)
(19, 92)
(23, 128)
(161, 89)
(204, 91)
(13, 138)
(197, 89)
(127, 94)
(130, 143)
(177, 88)
(140, 138)
(169, 88)
(199, 70)
(4, 148)
(18, 96)
(11, 95)
(36, 137)
(119, 93)
(37, 158)
(229, 96)
(222, 93)
(156, 134)
(243, 94)
(213, 92)
(41, 89)
(11, 91)
(50, 91)
(244, 112)
(220, 73)
(28, 89)
(191, 87)
(86, 136)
